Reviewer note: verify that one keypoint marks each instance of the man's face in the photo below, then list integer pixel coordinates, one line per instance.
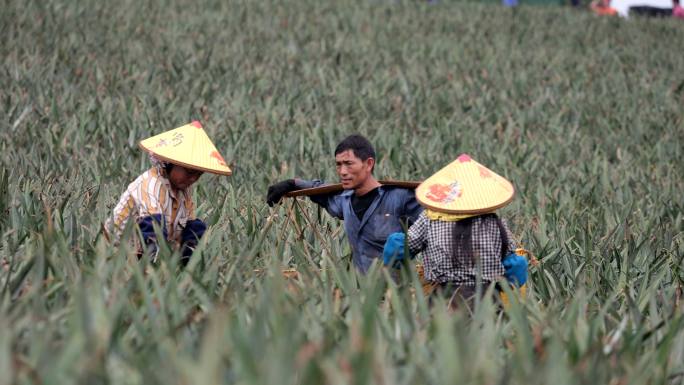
(182, 178)
(353, 171)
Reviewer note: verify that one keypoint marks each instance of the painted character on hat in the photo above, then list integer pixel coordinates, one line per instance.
(160, 199)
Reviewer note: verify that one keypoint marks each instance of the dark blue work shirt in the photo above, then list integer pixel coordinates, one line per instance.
(367, 236)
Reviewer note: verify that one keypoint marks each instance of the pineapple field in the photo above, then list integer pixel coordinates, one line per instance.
(583, 114)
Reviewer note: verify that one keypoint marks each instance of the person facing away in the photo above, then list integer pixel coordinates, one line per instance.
(162, 197)
(463, 242)
(459, 254)
(370, 210)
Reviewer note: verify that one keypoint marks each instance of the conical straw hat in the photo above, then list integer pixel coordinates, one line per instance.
(465, 187)
(187, 146)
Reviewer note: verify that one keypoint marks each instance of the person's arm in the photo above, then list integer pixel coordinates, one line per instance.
(152, 198)
(135, 200)
(512, 244)
(330, 202)
(417, 235)
(117, 220)
(395, 251)
(515, 266)
(412, 209)
(276, 191)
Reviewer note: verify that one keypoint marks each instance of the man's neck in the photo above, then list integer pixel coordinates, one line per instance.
(367, 186)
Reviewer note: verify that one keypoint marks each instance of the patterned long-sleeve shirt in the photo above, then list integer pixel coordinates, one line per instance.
(445, 259)
(150, 194)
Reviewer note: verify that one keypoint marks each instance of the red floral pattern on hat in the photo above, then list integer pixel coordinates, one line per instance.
(218, 158)
(443, 193)
(484, 172)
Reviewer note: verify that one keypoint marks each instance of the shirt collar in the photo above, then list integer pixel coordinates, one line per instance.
(349, 193)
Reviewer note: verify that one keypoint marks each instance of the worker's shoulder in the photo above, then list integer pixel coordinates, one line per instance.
(399, 190)
(150, 175)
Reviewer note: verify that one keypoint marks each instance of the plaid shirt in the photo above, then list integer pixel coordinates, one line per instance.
(444, 261)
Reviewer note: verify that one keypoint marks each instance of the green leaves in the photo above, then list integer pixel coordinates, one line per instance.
(583, 114)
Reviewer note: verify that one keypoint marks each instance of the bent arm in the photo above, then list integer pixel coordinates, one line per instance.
(512, 244)
(330, 202)
(417, 234)
(122, 212)
(412, 209)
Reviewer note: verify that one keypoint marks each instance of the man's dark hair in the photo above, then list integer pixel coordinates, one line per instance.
(359, 145)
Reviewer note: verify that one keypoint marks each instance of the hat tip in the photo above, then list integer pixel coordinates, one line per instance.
(196, 123)
(463, 158)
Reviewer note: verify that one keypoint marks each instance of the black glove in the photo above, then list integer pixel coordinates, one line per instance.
(276, 191)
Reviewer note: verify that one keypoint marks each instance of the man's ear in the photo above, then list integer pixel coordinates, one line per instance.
(370, 162)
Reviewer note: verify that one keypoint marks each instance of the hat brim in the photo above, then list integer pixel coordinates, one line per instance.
(186, 165)
(465, 187)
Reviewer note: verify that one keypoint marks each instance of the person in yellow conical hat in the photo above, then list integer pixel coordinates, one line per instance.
(463, 242)
(162, 194)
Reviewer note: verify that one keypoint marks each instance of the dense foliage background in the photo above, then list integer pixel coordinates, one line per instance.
(584, 114)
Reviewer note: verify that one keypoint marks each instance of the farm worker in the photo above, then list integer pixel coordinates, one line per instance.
(463, 242)
(162, 197)
(371, 211)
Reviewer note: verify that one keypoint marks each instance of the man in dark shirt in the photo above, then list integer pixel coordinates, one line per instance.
(371, 211)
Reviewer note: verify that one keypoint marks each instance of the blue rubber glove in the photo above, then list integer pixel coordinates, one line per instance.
(146, 226)
(192, 232)
(516, 269)
(394, 249)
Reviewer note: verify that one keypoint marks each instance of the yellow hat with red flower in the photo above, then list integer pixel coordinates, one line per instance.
(465, 187)
(187, 146)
